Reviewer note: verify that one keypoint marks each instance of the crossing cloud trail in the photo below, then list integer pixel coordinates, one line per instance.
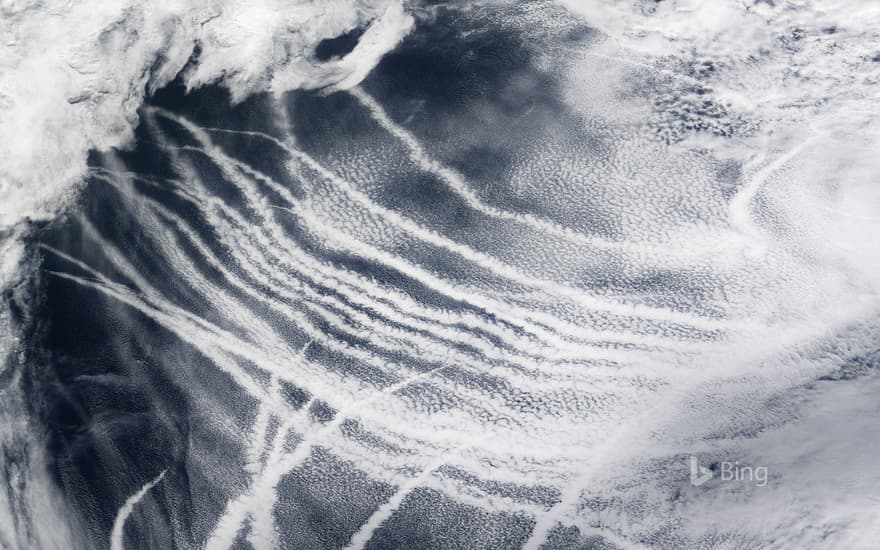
(372, 274)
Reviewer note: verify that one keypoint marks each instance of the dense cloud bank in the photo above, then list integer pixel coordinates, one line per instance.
(73, 74)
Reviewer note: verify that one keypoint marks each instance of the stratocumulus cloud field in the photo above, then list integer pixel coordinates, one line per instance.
(493, 275)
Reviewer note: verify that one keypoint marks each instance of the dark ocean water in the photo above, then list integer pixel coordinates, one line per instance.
(128, 392)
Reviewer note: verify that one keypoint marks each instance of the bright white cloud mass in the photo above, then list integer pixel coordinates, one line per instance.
(682, 257)
(73, 74)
